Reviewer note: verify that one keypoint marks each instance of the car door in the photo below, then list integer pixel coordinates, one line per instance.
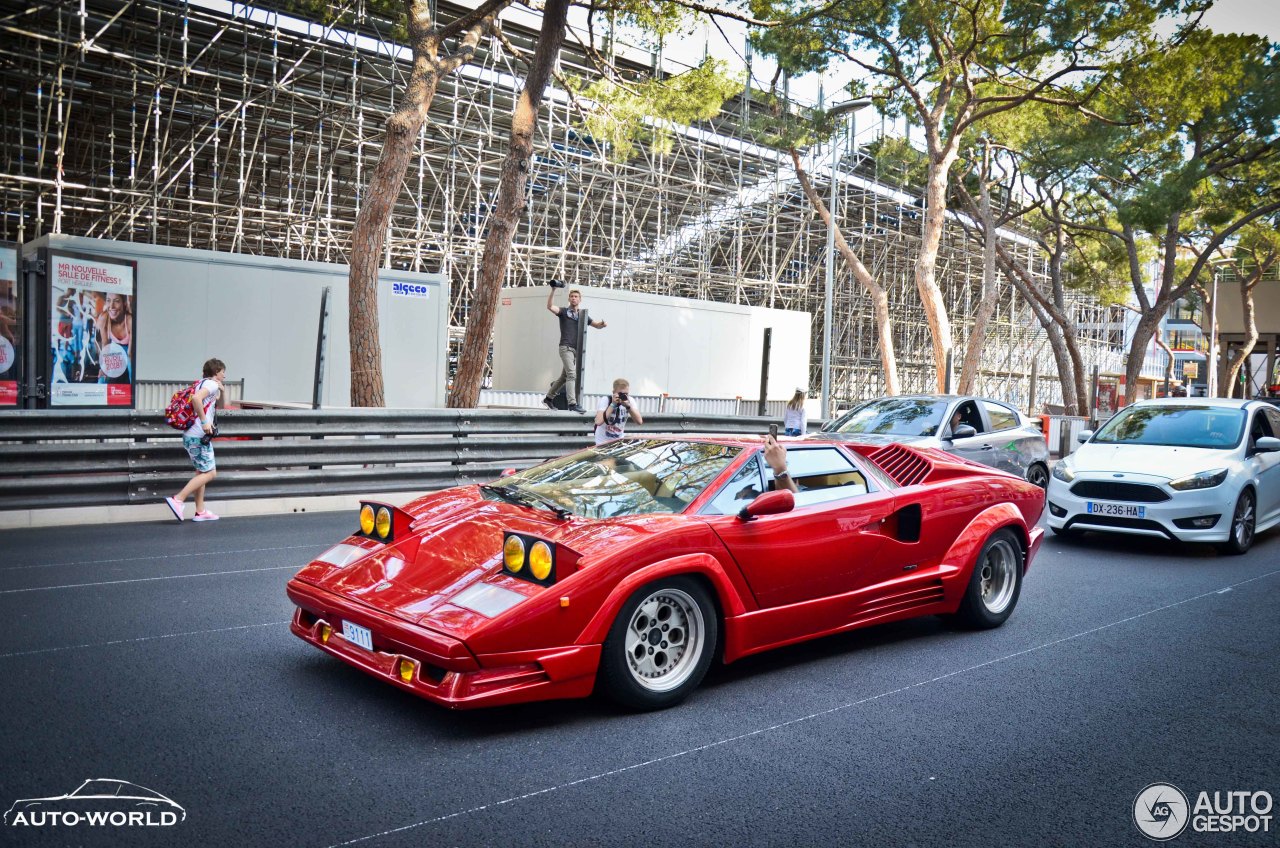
(1006, 438)
(1267, 424)
(826, 546)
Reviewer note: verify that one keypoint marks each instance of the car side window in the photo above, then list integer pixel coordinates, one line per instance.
(1002, 417)
(968, 414)
(741, 490)
(823, 474)
(1260, 428)
(1273, 418)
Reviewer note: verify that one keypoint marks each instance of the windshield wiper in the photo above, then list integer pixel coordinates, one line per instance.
(523, 498)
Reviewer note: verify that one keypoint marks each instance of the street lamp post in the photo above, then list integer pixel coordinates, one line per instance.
(828, 296)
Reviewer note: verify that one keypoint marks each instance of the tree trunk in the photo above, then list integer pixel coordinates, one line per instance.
(987, 302)
(1250, 336)
(512, 182)
(1142, 335)
(935, 306)
(370, 232)
(879, 297)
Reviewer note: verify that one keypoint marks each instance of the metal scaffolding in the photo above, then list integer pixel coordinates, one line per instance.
(222, 126)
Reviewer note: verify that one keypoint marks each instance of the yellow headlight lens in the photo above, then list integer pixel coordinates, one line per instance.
(383, 525)
(540, 560)
(406, 671)
(366, 519)
(513, 554)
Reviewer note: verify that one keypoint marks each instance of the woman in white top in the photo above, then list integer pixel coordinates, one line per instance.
(794, 420)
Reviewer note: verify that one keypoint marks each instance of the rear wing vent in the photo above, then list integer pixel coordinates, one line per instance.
(904, 465)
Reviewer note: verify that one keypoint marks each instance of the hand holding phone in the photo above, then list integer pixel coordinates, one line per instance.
(773, 430)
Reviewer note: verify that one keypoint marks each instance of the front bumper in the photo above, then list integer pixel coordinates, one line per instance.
(444, 671)
(1067, 511)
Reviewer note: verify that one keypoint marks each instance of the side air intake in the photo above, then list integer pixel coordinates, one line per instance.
(903, 464)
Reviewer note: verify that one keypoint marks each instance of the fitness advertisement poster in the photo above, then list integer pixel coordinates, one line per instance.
(93, 304)
(10, 324)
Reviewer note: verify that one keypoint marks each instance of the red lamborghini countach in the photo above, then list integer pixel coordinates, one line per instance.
(628, 567)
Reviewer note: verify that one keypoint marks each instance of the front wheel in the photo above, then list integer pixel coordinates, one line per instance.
(1243, 523)
(996, 583)
(660, 645)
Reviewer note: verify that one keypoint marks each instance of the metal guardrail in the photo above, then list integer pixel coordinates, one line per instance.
(112, 457)
(648, 404)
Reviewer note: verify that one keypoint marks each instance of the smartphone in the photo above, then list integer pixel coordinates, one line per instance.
(773, 430)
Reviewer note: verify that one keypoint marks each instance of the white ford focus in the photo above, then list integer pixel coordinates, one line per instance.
(1188, 469)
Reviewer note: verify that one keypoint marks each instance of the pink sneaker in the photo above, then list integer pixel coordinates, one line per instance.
(175, 506)
(206, 515)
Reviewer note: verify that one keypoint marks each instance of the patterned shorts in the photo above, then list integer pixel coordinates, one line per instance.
(201, 454)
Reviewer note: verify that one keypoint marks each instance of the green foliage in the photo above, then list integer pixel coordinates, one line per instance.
(1099, 267)
(898, 161)
(645, 111)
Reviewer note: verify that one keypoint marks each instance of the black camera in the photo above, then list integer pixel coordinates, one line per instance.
(208, 437)
(622, 397)
(556, 284)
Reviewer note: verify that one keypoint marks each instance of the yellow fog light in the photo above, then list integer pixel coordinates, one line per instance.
(325, 632)
(513, 554)
(383, 525)
(406, 671)
(540, 560)
(366, 519)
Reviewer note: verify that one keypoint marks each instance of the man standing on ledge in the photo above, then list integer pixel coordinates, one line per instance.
(568, 346)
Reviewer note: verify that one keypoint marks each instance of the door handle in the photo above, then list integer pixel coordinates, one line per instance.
(988, 447)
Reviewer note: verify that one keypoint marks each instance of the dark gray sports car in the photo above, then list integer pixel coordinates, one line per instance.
(988, 431)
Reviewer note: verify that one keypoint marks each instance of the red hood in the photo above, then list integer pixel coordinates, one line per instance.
(456, 540)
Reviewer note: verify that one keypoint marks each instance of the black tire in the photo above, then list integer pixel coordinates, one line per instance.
(641, 666)
(1038, 475)
(996, 583)
(1244, 525)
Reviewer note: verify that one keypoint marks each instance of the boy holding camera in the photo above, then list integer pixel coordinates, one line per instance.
(611, 419)
(197, 439)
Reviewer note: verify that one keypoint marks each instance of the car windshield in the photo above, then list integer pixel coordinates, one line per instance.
(1175, 426)
(895, 417)
(626, 477)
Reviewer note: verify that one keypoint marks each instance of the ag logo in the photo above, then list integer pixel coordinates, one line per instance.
(1160, 811)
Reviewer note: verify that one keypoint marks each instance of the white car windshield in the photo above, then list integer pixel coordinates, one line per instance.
(1175, 426)
(895, 417)
(626, 477)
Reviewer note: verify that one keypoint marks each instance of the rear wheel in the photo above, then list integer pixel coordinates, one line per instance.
(660, 645)
(996, 582)
(1039, 475)
(1243, 523)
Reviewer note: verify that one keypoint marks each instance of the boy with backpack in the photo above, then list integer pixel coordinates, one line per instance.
(191, 410)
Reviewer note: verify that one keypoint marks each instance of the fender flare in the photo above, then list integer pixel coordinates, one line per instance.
(701, 564)
(963, 552)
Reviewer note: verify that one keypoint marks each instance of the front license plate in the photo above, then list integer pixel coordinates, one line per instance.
(1119, 510)
(357, 635)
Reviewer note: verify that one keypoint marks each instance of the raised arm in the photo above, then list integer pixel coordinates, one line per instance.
(551, 307)
(776, 455)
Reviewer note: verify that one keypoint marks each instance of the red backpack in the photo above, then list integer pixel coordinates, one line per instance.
(178, 414)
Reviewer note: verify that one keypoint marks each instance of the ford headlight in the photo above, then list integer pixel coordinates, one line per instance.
(1063, 471)
(1203, 480)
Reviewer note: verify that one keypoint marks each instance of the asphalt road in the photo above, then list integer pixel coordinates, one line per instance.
(160, 654)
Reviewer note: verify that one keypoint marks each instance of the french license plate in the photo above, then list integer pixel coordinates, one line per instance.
(1117, 509)
(357, 635)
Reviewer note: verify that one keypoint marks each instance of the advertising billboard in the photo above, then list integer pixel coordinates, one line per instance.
(10, 324)
(93, 306)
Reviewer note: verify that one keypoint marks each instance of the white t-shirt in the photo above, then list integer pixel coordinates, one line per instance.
(794, 419)
(210, 385)
(615, 421)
